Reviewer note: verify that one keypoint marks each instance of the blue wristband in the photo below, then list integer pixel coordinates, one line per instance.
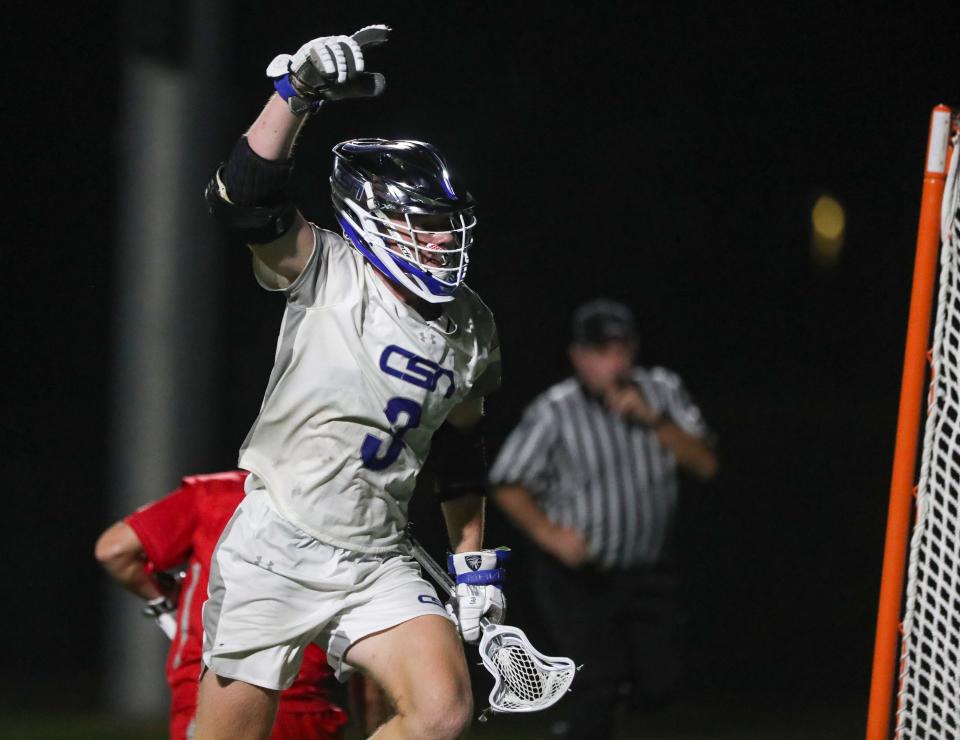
(489, 577)
(298, 104)
(493, 577)
(285, 88)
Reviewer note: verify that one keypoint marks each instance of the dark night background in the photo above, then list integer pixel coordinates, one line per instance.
(667, 155)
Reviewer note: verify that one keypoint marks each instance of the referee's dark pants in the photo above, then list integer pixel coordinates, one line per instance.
(624, 626)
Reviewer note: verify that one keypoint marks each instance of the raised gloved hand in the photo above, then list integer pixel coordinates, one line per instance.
(479, 576)
(328, 68)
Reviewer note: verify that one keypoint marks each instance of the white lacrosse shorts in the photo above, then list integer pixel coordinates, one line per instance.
(275, 589)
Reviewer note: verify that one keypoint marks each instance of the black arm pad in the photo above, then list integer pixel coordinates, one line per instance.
(250, 224)
(459, 458)
(251, 180)
(248, 195)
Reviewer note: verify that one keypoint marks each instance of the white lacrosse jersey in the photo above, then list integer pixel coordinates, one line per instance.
(359, 385)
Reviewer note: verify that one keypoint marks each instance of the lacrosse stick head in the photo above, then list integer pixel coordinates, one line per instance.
(525, 680)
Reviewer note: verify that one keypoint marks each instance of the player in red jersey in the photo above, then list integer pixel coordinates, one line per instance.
(183, 528)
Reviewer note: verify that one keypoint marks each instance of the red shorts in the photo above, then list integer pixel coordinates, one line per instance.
(322, 725)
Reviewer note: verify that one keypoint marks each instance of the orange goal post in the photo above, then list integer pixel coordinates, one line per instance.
(917, 649)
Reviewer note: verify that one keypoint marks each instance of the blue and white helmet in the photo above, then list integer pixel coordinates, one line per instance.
(399, 206)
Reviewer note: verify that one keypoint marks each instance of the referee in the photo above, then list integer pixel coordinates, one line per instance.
(590, 475)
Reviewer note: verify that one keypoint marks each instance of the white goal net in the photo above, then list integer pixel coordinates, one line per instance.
(929, 700)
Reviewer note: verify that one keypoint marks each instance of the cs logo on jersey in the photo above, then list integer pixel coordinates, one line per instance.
(424, 599)
(403, 413)
(419, 371)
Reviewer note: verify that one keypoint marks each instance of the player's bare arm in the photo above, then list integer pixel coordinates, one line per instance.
(120, 552)
(272, 137)
(462, 471)
(463, 510)
(464, 517)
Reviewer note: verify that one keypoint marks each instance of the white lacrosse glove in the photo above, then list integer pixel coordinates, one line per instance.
(328, 68)
(164, 612)
(479, 577)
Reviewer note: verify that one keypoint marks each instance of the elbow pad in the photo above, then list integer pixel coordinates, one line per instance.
(251, 224)
(460, 460)
(247, 195)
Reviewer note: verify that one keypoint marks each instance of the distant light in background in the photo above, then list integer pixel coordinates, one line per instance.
(829, 224)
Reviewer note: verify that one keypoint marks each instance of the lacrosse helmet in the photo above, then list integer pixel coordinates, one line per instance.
(402, 209)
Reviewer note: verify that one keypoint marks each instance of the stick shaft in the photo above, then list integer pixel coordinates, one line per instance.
(437, 573)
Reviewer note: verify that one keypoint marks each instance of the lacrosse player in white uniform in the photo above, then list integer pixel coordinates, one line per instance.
(382, 349)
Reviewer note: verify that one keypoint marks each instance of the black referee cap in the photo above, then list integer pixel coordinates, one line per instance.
(602, 320)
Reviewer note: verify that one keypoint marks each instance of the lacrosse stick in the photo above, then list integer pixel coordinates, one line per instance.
(525, 680)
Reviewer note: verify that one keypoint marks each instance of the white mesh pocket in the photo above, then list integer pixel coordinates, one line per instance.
(526, 680)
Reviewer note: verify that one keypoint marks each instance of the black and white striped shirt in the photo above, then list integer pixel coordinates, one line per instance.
(591, 470)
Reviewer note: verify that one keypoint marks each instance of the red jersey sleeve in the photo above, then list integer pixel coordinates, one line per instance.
(165, 527)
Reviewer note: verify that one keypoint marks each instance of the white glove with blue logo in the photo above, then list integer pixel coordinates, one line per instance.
(479, 577)
(328, 68)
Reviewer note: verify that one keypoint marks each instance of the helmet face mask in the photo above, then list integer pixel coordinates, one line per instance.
(441, 250)
(398, 207)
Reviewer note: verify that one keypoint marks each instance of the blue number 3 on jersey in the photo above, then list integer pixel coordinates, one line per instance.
(417, 371)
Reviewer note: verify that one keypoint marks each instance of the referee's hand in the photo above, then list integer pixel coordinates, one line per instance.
(565, 544)
(626, 400)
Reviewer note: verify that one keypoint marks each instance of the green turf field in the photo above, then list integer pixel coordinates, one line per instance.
(742, 720)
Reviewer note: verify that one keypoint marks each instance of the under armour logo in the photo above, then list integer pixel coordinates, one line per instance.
(473, 561)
